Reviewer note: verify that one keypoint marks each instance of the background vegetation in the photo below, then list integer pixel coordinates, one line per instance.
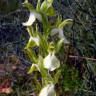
(78, 59)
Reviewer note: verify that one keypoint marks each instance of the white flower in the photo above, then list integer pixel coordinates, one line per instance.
(32, 17)
(51, 62)
(61, 34)
(48, 90)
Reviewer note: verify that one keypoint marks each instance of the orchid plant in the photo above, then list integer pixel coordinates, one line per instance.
(44, 60)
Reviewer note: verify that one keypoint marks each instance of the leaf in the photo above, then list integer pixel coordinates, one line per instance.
(44, 6)
(30, 30)
(34, 67)
(65, 22)
(33, 41)
(45, 23)
(59, 45)
(30, 44)
(31, 54)
(43, 44)
(57, 75)
(38, 6)
(51, 11)
(41, 67)
(58, 21)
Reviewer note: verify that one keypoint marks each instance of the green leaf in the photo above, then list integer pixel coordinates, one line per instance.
(65, 22)
(51, 11)
(38, 84)
(31, 54)
(41, 67)
(32, 40)
(34, 67)
(31, 43)
(58, 21)
(30, 30)
(45, 23)
(43, 45)
(59, 45)
(51, 47)
(38, 6)
(44, 7)
(57, 76)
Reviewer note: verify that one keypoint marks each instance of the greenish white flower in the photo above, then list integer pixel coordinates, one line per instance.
(32, 17)
(61, 34)
(51, 62)
(48, 91)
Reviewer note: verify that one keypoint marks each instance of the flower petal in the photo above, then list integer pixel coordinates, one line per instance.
(51, 62)
(61, 34)
(38, 16)
(54, 31)
(48, 90)
(31, 20)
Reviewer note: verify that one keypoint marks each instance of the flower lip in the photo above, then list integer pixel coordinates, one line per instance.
(61, 34)
(48, 90)
(51, 62)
